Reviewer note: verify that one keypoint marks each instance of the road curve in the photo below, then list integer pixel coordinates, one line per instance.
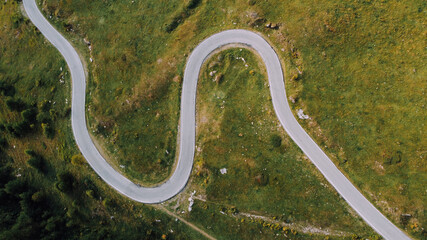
(182, 172)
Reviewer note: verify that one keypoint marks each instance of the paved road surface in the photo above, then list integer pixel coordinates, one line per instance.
(180, 176)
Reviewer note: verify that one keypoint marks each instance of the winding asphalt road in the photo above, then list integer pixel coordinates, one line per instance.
(182, 172)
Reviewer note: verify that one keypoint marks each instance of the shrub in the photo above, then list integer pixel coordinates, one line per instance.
(108, 203)
(43, 117)
(65, 182)
(3, 142)
(44, 106)
(90, 193)
(15, 105)
(295, 77)
(181, 16)
(52, 114)
(38, 163)
(23, 128)
(405, 218)
(48, 131)
(29, 115)
(5, 175)
(276, 141)
(174, 23)
(18, 129)
(261, 179)
(6, 89)
(15, 187)
(10, 128)
(30, 152)
(77, 160)
(16, 20)
(38, 197)
(193, 4)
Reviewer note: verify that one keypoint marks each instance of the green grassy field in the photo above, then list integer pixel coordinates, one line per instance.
(266, 173)
(46, 192)
(336, 55)
(363, 85)
(356, 68)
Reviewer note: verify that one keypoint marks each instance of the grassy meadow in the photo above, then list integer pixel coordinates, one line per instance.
(356, 68)
(359, 73)
(47, 191)
(265, 172)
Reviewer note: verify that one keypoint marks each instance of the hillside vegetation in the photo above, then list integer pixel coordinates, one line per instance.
(356, 68)
(47, 190)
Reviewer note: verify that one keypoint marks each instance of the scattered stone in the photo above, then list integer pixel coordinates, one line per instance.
(241, 58)
(69, 27)
(213, 64)
(218, 78)
(271, 25)
(177, 79)
(293, 99)
(191, 200)
(86, 41)
(301, 114)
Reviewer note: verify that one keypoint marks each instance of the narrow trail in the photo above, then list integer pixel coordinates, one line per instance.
(187, 135)
(185, 221)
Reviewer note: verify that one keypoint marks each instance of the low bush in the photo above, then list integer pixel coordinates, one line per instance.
(276, 140)
(37, 163)
(65, 182)
(48, 130)
(15, 105)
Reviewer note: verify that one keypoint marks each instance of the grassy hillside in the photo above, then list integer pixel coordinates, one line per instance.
(246, 165)
(47, 191)
(362, 82)
(356, 68)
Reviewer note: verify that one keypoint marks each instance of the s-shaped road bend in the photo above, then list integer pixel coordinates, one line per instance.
(187, 135)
